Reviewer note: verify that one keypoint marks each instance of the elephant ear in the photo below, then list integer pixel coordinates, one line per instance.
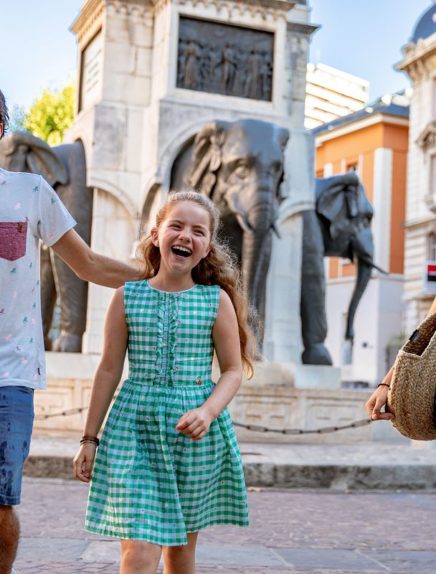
(337, 201)
(207, 156)
(364, 207)
(282, 139)
(40, 158)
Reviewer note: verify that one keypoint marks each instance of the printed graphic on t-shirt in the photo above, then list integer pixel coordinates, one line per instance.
(13, 235)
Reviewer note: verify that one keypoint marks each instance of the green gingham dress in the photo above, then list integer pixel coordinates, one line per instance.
(151, 482)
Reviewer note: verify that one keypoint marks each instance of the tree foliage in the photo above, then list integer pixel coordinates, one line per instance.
(51, 114)
(17, 119)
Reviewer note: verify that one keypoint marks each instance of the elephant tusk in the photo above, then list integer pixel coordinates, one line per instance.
(276, 229)
(244, 223)
(369, 262)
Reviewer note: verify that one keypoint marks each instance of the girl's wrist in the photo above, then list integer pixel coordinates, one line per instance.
(211, 412)
(87, 442)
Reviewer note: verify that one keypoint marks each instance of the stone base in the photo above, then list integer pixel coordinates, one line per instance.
(317, 377)
(280, 396)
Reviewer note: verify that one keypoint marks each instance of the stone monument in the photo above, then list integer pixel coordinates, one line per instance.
(152, 74)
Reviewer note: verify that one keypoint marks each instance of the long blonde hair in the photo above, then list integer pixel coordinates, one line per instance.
(217, 268)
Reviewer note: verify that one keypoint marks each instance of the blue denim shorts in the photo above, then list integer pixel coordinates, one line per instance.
(16, 422)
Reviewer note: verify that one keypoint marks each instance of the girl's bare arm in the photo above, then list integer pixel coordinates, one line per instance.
(379, 397)
(195, 423)
(106, 380)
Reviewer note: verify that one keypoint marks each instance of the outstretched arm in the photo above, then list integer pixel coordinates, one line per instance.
(379, 397)
(106, 379)
(196, 423)
(91, 266)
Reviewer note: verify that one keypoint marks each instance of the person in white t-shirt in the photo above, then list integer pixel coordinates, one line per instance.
(30, 212)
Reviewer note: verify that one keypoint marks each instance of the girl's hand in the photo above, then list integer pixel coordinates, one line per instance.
(195, 423)
(376, 402)
(83, 462)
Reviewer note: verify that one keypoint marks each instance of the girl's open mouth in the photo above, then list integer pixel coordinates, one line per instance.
(182, 251)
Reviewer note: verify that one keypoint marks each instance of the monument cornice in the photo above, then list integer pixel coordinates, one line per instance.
(416, 55)
(278, 6)
(88, 21)
(300, 28)
(90, 17)
(131, 7)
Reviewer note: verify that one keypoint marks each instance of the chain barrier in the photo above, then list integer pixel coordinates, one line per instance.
(250, 427)
(323, 430)
(61, 414)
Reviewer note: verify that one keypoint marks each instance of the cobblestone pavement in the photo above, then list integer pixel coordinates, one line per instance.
(293, 532)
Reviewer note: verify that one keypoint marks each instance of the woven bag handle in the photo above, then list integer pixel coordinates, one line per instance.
(421, 337)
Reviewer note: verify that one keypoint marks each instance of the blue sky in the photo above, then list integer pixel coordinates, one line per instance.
(361, 37)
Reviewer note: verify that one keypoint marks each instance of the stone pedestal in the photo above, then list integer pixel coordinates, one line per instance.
(144, 92)
(279, 396)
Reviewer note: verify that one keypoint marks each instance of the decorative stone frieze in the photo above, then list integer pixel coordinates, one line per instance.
(427, 137)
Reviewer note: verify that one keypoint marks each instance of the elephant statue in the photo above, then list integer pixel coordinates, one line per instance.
(64, 168)
(338, 226)
(239, 165)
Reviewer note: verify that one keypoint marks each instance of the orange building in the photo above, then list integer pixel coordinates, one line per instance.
(374, 142)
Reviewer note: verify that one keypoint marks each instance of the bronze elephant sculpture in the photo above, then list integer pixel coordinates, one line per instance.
(339, 226)
(239, 165)
(64, 168)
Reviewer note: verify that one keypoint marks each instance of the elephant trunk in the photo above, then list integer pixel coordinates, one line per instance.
(256, 255)
(364, 269)
(256, 250)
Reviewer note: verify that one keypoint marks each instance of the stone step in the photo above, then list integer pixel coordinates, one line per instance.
(339, 467)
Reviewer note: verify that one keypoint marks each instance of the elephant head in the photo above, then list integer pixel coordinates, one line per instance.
(22, 151)
(345, 215)
(240, 166)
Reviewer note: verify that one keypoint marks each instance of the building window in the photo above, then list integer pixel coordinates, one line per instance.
(432, 190)
(431, 247)
(434, 97)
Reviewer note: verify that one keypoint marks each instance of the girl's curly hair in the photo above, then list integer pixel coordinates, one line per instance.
(218, 268)
(4, 114)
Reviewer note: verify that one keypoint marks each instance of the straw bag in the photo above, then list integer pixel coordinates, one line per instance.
(411, 396)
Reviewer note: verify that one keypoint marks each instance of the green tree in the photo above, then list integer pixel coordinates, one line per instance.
(17, 119)
(51, 114)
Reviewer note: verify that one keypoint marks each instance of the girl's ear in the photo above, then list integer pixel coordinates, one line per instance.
(154, 236)
(209, 249)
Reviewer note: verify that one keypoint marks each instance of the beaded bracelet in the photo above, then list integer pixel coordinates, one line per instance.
(383, 385)
(89, 439)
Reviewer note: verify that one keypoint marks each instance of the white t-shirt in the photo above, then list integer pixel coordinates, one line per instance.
(30, 211)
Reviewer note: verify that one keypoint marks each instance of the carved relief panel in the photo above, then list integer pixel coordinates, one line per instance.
(224, 59)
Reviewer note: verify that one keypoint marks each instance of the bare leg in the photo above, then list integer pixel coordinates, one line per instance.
(9, 534)
(139, 557)
(181, 559)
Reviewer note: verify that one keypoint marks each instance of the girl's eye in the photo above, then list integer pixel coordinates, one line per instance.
(241, 171)
(199, 232)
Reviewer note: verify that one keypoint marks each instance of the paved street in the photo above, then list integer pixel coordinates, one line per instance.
(304, 532)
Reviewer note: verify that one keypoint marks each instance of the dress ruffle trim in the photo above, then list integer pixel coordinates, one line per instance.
(167, 324)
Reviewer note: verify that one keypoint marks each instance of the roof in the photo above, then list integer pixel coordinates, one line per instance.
(426, 25)
(384, 105)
